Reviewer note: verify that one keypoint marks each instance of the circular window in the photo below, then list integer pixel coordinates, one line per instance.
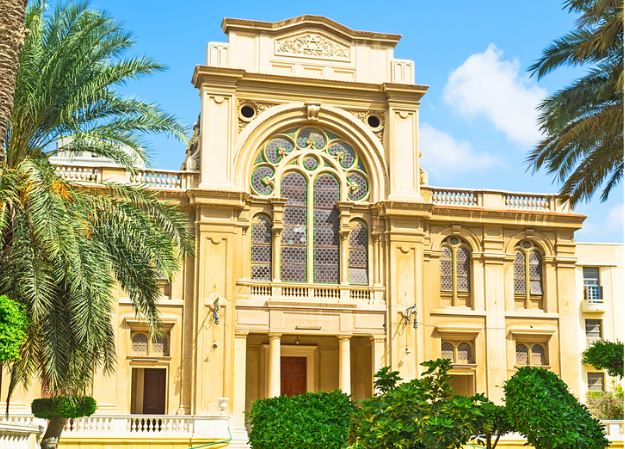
(247, 112)
(374, 121)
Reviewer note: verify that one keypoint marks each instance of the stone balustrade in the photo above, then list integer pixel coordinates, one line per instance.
(129, 426)
(491, 199)
(322, 293)
(20, 436)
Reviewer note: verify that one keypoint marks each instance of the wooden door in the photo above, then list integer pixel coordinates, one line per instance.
(292, 375)
(154, 391)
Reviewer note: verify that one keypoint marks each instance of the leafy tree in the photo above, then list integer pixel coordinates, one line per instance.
(583, 123)
(606, 355)
(306, 421)
(606, 404)
(541, 407)
(493, 423)
(13, 329)
(63, 247)
(421, 413)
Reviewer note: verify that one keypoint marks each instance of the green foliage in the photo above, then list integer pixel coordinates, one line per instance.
(307, 421)
(583, 123)
(64, 407)
(493, 423)
(541, 408)
(63, 248)
(422, 413)
(13, 329)
(606, 404)
(606, 355)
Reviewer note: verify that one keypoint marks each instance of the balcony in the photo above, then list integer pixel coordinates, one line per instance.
(593, 299)
(133, 426)
(311, 293)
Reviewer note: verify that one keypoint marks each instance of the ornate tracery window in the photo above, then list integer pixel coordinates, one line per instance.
(528, 273)
(313, 170)
(455, 270)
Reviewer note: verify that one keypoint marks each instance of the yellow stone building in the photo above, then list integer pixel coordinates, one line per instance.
(322, 253)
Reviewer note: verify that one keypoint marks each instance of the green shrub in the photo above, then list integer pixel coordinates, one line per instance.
(541, 407)
(307, 421)
(63, 406)
(421, 413)
(13, 328)
(606, 404)
(606, 355)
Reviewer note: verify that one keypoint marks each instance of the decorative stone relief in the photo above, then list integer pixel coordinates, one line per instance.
(258, 107)
(312, 45)
(363, 115)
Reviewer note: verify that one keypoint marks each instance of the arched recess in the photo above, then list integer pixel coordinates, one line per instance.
(469, 237)
(539, 239)
(293, 115)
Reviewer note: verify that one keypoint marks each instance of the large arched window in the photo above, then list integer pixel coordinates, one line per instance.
(261, 247)
(359, 254)
(313, 170)
(455, 270)
(528, 272)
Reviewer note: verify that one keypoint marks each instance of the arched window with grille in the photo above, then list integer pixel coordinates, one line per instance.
(464, 353)
(447, 350)
(294, 244)
(359, 254)
(538, 355)
(139, 343)
(528, 273)
(261, 247)
(326, 229)
(521, 355)
(531, 354)
(458, 352)
(455, 271)
(313, 170)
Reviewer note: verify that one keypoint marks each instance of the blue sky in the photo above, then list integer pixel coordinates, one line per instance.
(478, 117)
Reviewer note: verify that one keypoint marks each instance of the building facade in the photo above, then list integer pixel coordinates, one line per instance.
(323, 254)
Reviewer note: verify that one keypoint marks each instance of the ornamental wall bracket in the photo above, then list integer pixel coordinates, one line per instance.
(312, 111)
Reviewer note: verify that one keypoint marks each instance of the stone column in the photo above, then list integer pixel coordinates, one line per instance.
(377, 354)
(240, 355)
(274, 365)
(345, 378)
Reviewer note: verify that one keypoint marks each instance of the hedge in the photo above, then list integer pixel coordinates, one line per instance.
(307, 421)
(63, 406)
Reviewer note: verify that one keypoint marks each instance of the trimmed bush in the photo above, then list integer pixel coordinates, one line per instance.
(542, 408)
(63, 406)
(13, 328)
(606, 355)
(306, 421)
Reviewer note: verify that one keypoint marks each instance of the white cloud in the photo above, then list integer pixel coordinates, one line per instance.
(486, 85)
(442, 154)
(615, 217)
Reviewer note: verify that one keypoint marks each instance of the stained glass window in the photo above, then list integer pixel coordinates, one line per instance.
(536, 273)
(464, 353)
(326, 229)
(358, 254)
(293, 248)
(447, 351)
(447, 277)
(261, 247)
(463, 262)
(519, 273)
(140, 344)
(521, 355)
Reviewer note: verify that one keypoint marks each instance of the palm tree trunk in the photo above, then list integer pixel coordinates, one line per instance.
(12, 33)
(52, 436)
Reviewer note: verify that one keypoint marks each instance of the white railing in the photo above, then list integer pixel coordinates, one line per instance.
(613, 429)
(79, 174)
(16, 436)
(311, 292)
(158, 179)
(527, 201)
(454, 197)
(128, 426)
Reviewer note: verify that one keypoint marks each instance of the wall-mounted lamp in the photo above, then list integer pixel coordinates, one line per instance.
(410, 312)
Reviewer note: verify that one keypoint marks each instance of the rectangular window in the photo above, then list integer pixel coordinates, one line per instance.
(592, 285)
(593, 331)
(596, 382)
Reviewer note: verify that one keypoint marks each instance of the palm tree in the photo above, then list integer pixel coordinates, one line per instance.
(583, 123)
(63, 247)
(12, 32)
